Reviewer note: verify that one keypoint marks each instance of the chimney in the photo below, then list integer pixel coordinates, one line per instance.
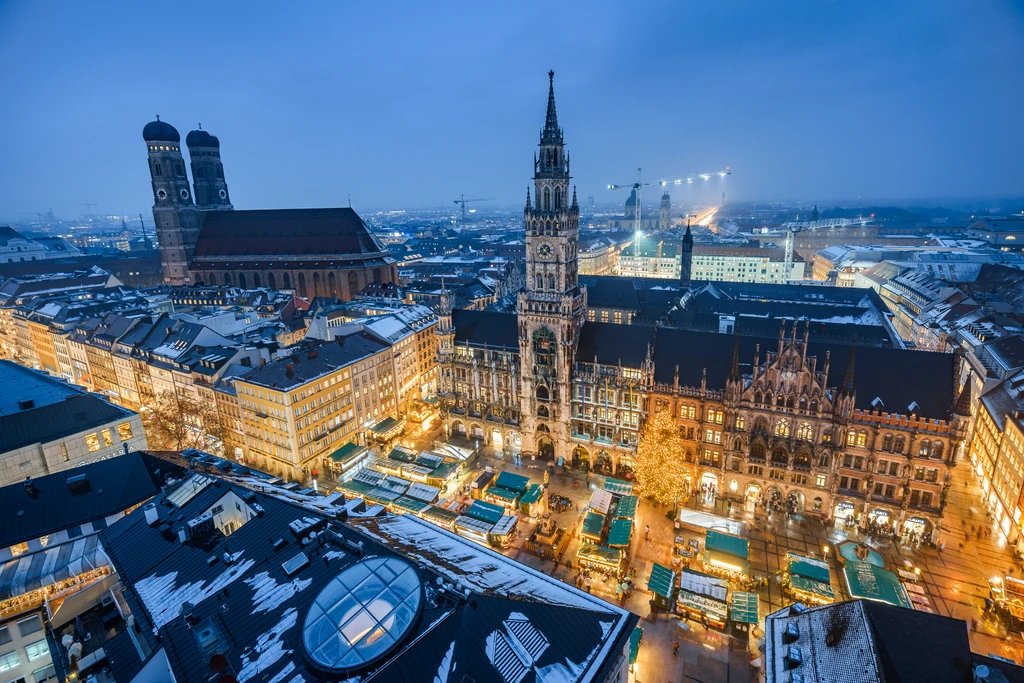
(152, 515)
(31, 489)
(289, 370)
(26, 404)
(313, 354)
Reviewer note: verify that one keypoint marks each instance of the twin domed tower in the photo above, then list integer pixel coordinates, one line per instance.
(176, 204)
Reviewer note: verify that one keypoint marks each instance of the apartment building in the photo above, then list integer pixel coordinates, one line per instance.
(297, 410)
(744, 264)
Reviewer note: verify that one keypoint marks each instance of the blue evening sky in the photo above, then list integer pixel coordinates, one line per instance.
(408, 104)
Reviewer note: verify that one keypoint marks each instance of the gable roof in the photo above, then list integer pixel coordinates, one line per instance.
(285, 232)
(497, 330)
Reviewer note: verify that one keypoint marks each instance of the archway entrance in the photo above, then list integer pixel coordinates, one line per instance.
(795, 502)
(546, 447)
(603, 462)
(773, 498)
(496, 439)
(459, 427)
(917, 528)
(580, 456)
(751, 496)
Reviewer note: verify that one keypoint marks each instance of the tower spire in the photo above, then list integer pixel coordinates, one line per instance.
(734, 369)
(551, 129)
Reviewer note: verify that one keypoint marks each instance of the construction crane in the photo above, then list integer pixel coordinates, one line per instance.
(793, 227)
(639, 185)
(463, 201)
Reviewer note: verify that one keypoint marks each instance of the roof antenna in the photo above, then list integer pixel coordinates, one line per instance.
(350, 200)
(200, 126)
(158, 117)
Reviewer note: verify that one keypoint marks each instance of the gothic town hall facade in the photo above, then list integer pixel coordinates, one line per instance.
(865, 433)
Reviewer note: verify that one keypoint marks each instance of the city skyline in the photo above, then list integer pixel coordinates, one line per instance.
(836, 104)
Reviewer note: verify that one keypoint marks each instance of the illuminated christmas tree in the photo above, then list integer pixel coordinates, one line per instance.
(660, 472)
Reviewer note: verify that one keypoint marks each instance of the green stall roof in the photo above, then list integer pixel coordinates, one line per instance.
(618, 487)
(501, 492)
(661, 581)
(809, 567)
(402, 453)
(592, 525)
(532, 495)
(512, 481)
(743, 608)
(410, 505)
(347, 453)
(627, 507)
(619, 533)
(865, 580)
(634, 643)
(822, 590)
(384, 425)
(725, 543)
(355, 488)
(487, 512)
(445, 471)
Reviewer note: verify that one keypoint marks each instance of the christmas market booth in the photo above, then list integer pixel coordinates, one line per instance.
(593, 526)
(599, 557)
(504, 531)
(702, 597)
(725, 554)
(478, 521)
(1008, 594)
(442, 517)
(807, 580)
(480, 483)
(506, 490)
(744, 613)
(444, 474)
(531, 504)
(662, 584)
(618, 487)
(626, 507)
(347, 460)
(387, 429)
(619, 533)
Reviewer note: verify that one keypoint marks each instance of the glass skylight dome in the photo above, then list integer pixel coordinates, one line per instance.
(362, 613)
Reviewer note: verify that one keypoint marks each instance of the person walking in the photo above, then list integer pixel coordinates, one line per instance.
(647, 532)
(675, 649)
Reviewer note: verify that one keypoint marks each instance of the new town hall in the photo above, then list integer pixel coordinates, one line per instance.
(861, 431)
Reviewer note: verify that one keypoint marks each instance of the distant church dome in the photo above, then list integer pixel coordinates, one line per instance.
(631, 202)
(200, 138)
(160, 131)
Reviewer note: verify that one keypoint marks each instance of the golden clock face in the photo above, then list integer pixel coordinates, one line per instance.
(544, 250)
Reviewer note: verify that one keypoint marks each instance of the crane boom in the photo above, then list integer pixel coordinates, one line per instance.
(463, 201)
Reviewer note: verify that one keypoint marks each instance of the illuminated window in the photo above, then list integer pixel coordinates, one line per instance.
(108, 438)
(9, 661)
(19, 549)
(37, 650)
(92, 442)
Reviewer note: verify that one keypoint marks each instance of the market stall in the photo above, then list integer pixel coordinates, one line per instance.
(1008, 594)
(502, 496)
(744, 613)
(618, 487)
(347, 460)
(531, 504)
(405, 505)
(474, 529)
(619, 533)
(504, 531)
(440, 516)
(635, 638)
(808, 580)
(513, 482)
(444, 474)
(725, 553)
(601, 501)
(702, 597)
(387, 429)
(593, 526)
(480, 483)
(599, 557)
(626, 509)
(662, 583)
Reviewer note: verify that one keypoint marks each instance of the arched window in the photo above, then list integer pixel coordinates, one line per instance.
(814, 405)
(332, 284)
(540, 281)
(551, 282)
(851, 438)
(924, 448)
(803, 403)
(542, 411)
(780, 456)
(887, 442)
(227, 279)
(302, 284)
(782, 428)
(761, 425)
(757, 450)
(549, 158)
(353, 283)
(937, 449)
(271, 281)
(316, 285)
(780, 400)
(898, 444)
(862, 438)
(157, 170)
(256, 280)
(542, 393)
(802, 458)
(287, 278)
(547, 198)
(805, 432)
(790, 402)
(241, 280)
(376, 276)
(757, 398)
(558, 199)
(737, 445)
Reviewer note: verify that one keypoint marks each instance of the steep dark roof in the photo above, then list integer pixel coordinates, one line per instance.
(612, 344)
(904, 659)
(200, 138)
(7, 233)
(628, 293)
(499, 330)
(49, 505)
(899, 378)
(285, 232)
(160, 131)
(308, 364)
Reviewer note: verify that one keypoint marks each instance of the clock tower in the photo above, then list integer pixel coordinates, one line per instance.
(552, 306)
(174, 212)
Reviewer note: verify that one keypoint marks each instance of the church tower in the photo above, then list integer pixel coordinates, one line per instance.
(552, 306)
(211, 190)
(665, 210)
(176, 217)
(686, 263)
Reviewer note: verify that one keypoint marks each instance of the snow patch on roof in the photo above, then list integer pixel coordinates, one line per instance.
(446, 665)
(269, 594)
(269, 647)
(164, 600)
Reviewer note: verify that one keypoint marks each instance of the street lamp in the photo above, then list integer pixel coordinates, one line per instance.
(824, 552)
